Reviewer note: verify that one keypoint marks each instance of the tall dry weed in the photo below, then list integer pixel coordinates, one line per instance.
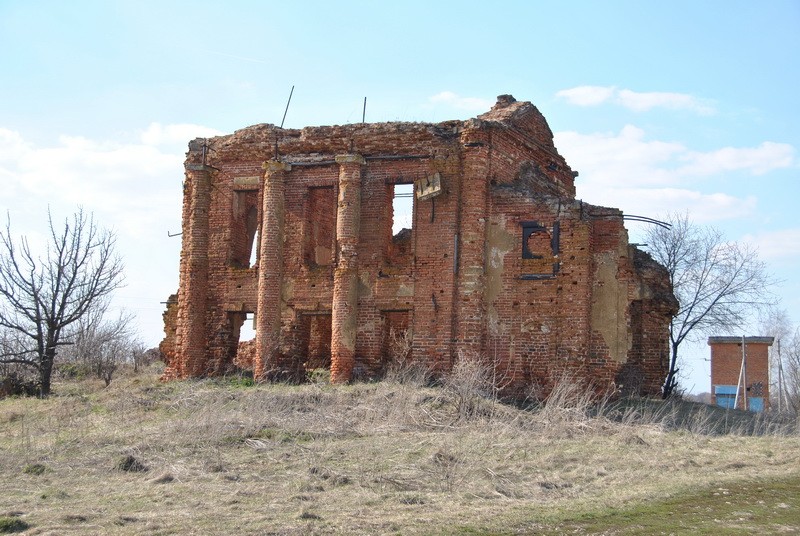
(402, 368)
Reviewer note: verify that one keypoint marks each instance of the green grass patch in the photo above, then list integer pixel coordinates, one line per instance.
(34, 469)
(9, 524)
(734, 508)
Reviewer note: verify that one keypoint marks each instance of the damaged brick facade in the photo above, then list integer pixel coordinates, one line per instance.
(501, 261)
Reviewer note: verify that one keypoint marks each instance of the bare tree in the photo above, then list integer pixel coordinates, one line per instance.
(775, 322)
(790, 355)
(144, 356)
(42, 296)
(719, 284)
(101, 343)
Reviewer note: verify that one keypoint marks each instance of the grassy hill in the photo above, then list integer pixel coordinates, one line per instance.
(226, 457)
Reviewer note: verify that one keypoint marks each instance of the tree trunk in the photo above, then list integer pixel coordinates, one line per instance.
(45, 372)
(671, 380)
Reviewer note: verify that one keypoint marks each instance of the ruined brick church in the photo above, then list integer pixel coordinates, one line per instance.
(293, 230)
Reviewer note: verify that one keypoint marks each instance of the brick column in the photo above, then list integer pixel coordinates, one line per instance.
(192, 336)
(476, 171)
(344, 310)
(270, 270)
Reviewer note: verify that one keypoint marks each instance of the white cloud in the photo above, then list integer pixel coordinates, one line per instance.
(642, 102)
(11, 145)
(655, 202)
(158, 134)
(134, 188)
(633, 100)
(103, 176)
(462, 103)
(587, 95)
(624, 158)
(779, 245)
(757, 160)
(649, 177)
(629, 157)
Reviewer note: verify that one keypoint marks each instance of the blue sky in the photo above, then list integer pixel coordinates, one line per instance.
(661, 106)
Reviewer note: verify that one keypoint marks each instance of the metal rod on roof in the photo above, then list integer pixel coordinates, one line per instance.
(364, 111)
(287, 106)
(645, 219)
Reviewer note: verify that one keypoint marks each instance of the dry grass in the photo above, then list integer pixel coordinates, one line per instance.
(214, 457)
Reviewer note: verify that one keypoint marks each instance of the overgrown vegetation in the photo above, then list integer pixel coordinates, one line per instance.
(393, 457)
(719, 284)
(44, 295)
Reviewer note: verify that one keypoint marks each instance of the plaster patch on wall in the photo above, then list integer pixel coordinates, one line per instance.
(364, 285)
(287, 290)
(498, 243)
(405, 290)
(609, 306)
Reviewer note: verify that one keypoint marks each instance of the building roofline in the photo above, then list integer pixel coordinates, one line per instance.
(738, 340)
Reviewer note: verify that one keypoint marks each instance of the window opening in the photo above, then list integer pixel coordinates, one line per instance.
(540, 250)
(248, 329)
(402, 208)
(243, 343)
(244, 245)
(400, 223)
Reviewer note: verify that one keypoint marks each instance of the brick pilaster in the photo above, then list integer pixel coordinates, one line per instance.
(192, 338)
(344, 310)
(270, 270)
(472, 240)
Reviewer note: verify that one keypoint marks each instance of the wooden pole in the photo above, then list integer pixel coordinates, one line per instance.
(744, 373)
(739, 381)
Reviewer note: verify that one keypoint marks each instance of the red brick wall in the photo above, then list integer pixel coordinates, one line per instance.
(458, 280)
(726, 363)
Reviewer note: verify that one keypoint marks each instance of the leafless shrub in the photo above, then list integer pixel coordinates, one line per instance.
(572, 406)
(103, 344)
(144, 357)
(475, 384)
(448, 468)
(402, 368)
(16, 380)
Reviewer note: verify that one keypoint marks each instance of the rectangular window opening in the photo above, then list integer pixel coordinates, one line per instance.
(244, 226)
(399, 224)
(402, 208)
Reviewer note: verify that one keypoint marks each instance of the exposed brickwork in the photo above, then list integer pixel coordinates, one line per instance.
(726, 366)
(332, 283)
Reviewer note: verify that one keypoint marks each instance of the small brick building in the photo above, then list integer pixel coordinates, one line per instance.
(500, 261)
(726, 368)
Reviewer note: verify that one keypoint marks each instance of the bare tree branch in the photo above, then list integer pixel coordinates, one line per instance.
(41, 297)
(719, 284)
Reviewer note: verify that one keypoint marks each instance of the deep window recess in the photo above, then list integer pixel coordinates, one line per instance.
(320, 232)
(315, 340)
(399, 224)
(244, 227)
(540, 249)
(402, 207)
